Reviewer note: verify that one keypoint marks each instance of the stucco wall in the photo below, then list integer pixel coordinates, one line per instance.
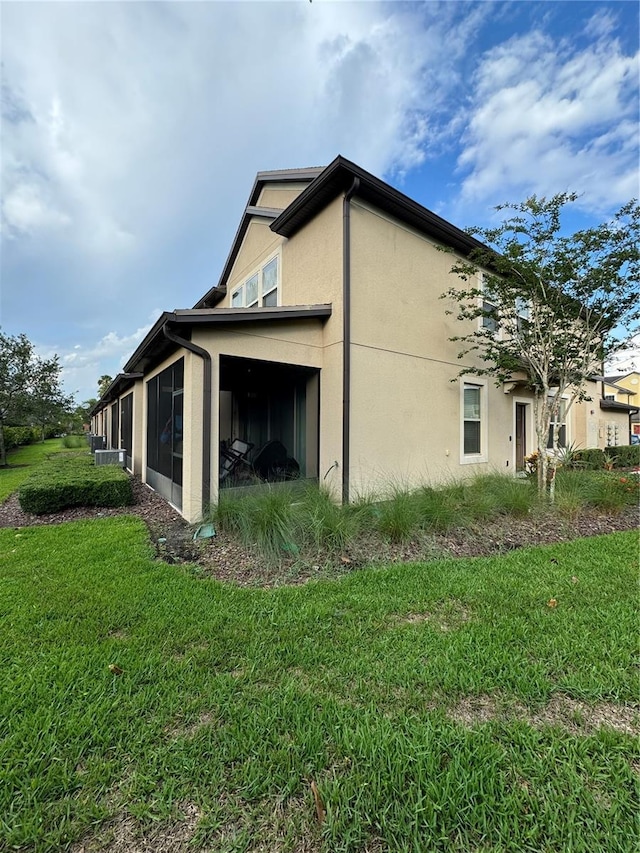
(280, 196)
(312, 273)
(596, 427)
(406, 411)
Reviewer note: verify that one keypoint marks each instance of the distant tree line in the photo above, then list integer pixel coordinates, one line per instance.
(31, 395)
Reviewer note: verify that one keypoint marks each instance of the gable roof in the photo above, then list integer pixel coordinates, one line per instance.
(277, 176)
(324, 185)
(340, 176)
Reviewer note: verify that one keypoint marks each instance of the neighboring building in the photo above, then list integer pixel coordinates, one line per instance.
(323, 351)
(625, 389)
(603, 421)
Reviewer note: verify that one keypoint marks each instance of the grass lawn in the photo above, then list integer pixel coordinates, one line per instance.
(448, 706)
(21, 462)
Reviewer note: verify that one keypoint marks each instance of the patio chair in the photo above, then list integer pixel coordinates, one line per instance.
(272, 463)
(233, 457)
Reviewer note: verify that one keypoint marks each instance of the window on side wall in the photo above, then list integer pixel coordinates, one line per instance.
(260, 289)
(489, 317)
(474, 422)
(561, 420)
(523, 314)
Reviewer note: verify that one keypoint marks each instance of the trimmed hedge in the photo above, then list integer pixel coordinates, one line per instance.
(623, 456)
(72, 479)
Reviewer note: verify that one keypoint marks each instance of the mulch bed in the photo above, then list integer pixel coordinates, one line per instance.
(225, 558)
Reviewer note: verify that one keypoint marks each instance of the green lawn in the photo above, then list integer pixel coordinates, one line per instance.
(21, 462)
(437, 707)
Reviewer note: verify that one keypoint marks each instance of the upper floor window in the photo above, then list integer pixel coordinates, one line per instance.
(260, 289)
(489, 317)
(523, 313)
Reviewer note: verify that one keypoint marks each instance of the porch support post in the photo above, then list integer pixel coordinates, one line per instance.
(206, 409)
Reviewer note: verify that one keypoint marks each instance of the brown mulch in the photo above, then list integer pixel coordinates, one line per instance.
(225, 558)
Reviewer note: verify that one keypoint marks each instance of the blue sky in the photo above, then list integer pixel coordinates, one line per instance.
(131, 134)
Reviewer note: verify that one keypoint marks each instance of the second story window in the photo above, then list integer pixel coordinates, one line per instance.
(489, 317)
(260, 289)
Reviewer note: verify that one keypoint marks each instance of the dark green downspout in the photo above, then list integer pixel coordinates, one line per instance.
(346, 336)
(206, 410)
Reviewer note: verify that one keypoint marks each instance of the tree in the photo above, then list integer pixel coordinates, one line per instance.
(29, 387)
(554, 307)
(16, 355)
(103, 383)
(48, 404)
(80, 414)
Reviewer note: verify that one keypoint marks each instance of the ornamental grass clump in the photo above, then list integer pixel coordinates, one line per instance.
(440, 509)
(398, 519)
(321, 523)
(264, 520)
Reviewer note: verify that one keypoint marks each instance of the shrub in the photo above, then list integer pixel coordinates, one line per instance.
(18, 436)
(68, 480)
(611, 492)
(74, 441)
(592, 459)
(625, 456)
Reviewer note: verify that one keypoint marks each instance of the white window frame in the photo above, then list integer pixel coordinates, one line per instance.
(483, 321)
(239, 293)
(563, 423)
(482, 385)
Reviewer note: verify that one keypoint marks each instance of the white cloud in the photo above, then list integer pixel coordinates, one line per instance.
(26, 210)
(601, 24)
(626, 360)
(82, 365)
(546, 117)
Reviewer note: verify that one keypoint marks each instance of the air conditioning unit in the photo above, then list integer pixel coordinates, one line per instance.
(97, 442)
(111, 457)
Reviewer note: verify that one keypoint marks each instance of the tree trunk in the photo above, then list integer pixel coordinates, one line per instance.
(3, 451)
(553, 465)
(542, 432)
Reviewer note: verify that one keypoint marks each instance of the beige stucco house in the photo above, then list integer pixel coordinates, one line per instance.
(624, 389)
(323, 352)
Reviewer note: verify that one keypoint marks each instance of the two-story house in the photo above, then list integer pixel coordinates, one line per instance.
(323, 352)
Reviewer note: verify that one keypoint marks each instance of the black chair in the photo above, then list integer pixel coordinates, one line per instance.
(272, 463)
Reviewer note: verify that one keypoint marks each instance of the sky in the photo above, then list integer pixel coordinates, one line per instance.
(132, 132)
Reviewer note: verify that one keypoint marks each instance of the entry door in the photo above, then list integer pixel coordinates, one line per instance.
(521, 435)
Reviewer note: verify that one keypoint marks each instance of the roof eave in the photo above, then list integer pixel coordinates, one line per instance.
(190, 317)
(338, 177)
(614, 405)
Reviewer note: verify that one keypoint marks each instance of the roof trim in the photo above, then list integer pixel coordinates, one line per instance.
(611, 384)
(264, 212)
(213, 316)
(121, 383)
(190, 317)
(618, 407)
(338, 177)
